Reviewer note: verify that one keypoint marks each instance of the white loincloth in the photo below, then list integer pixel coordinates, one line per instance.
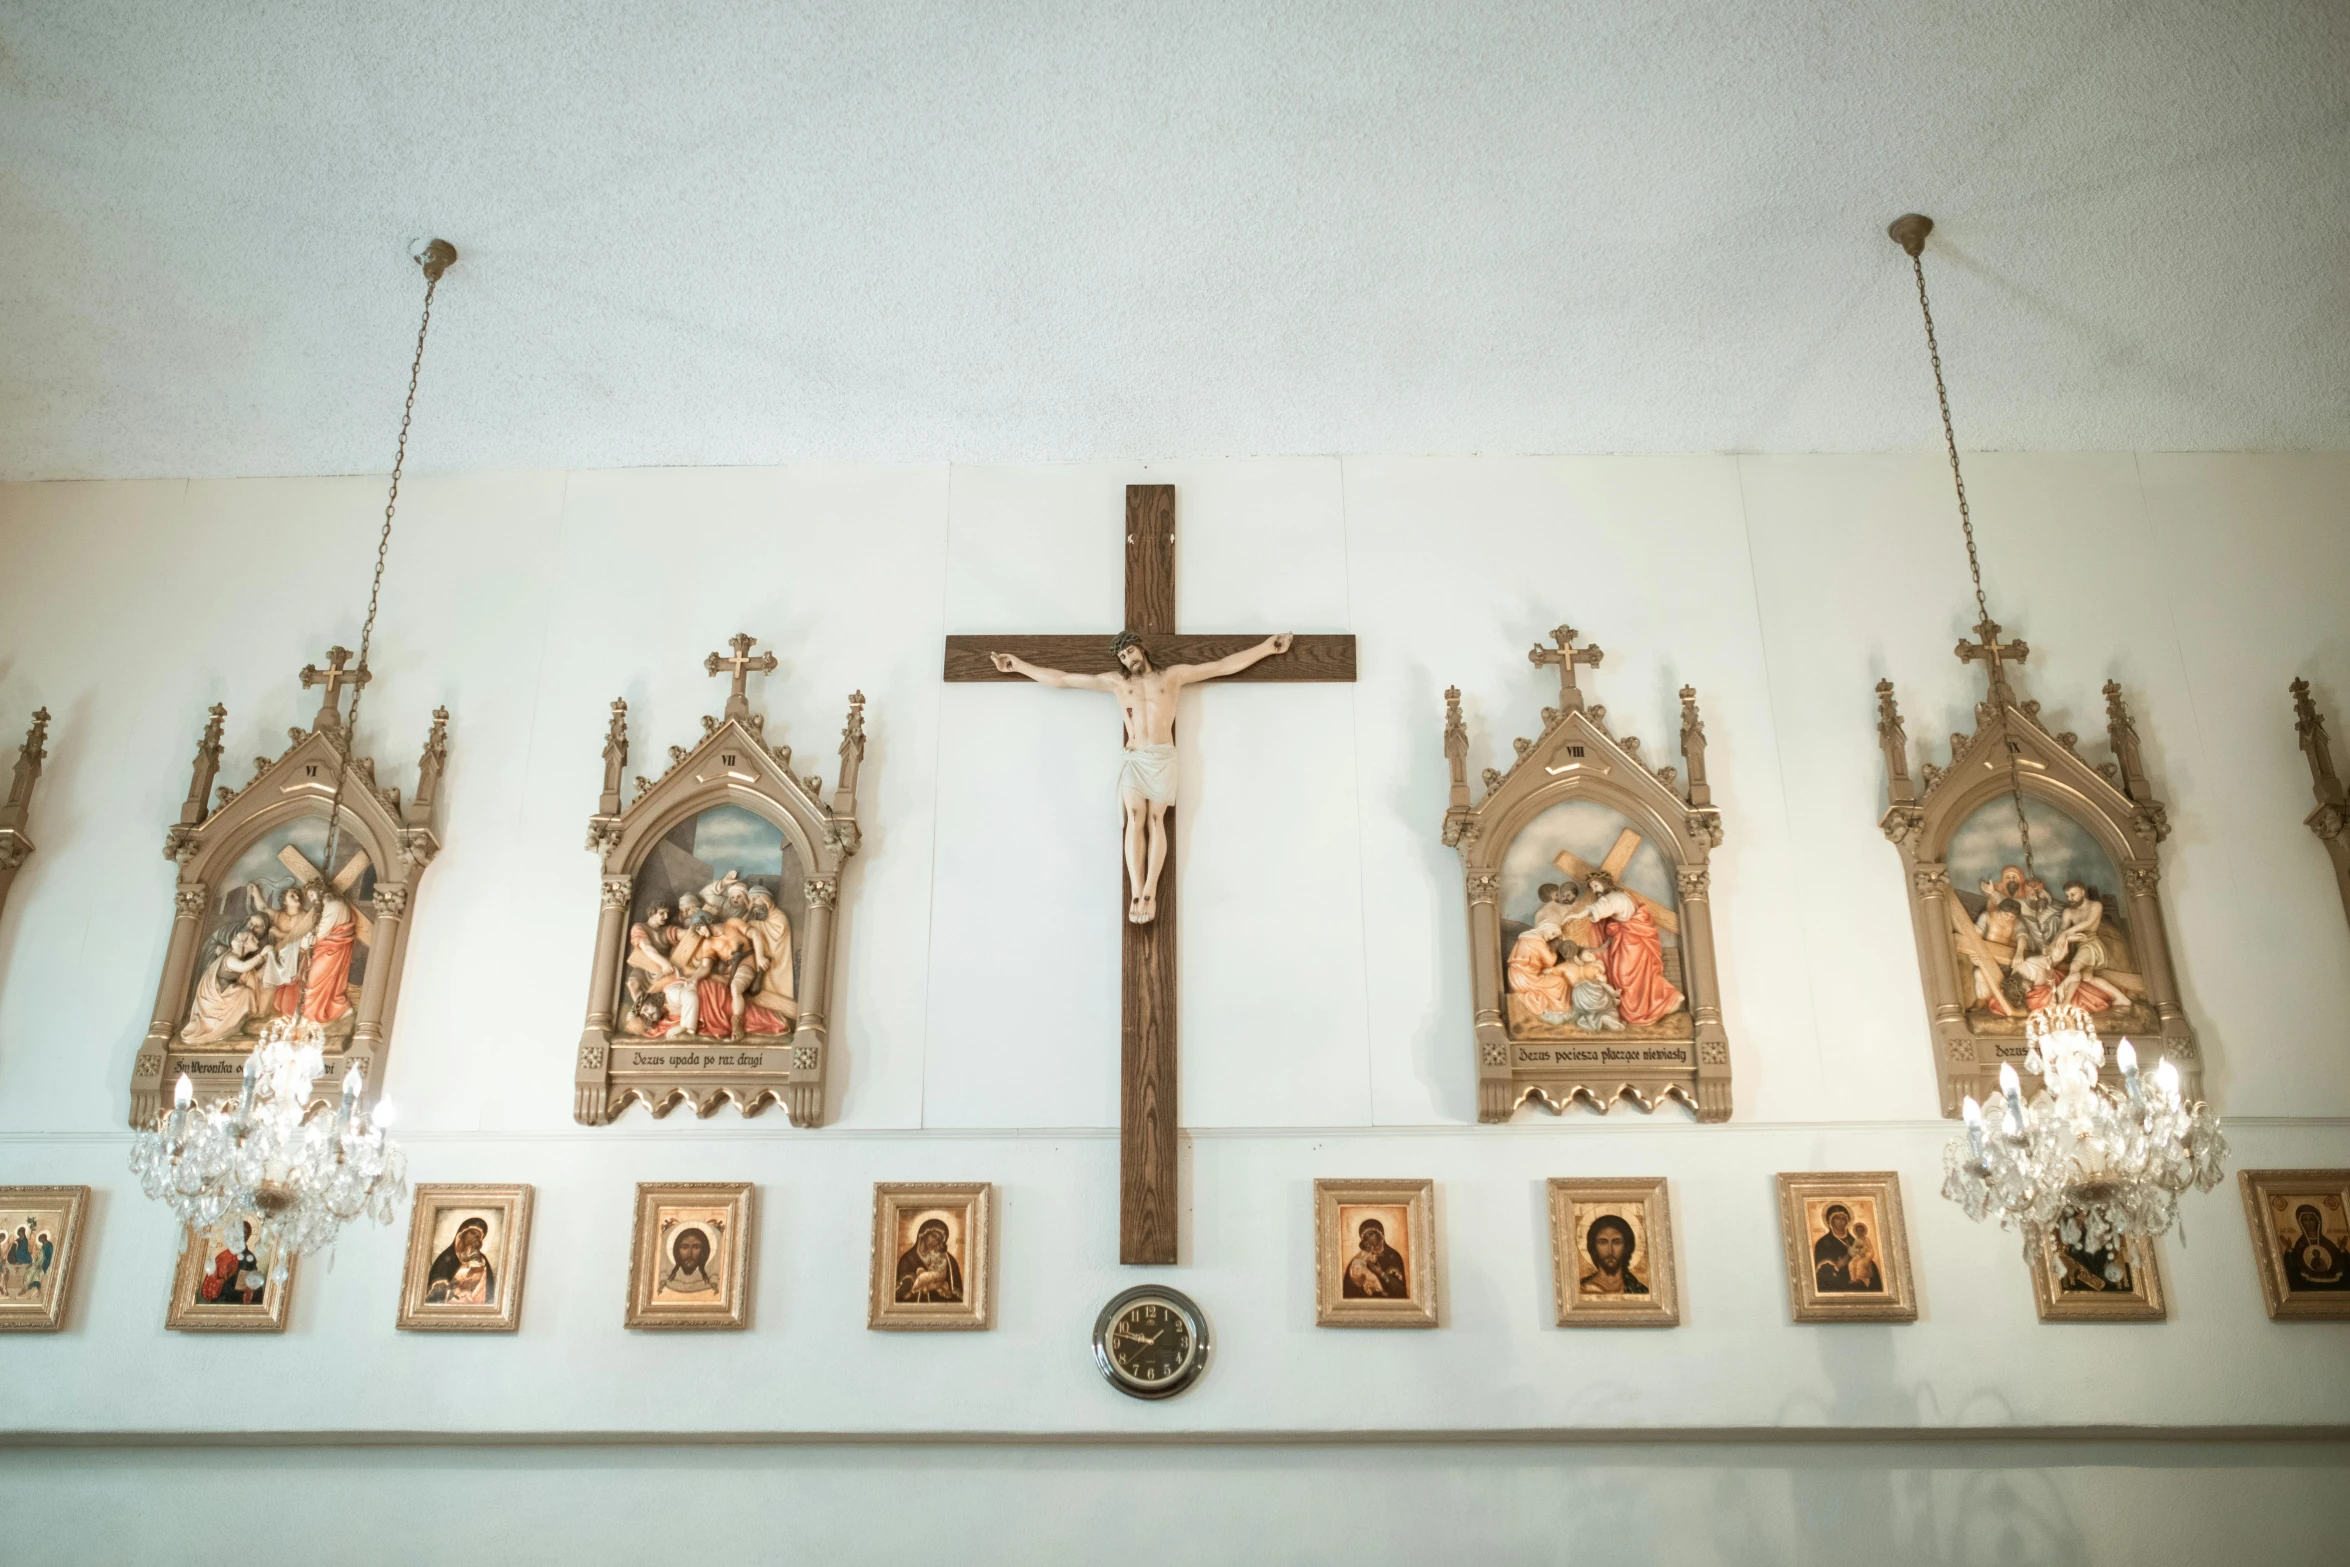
(1149, 771)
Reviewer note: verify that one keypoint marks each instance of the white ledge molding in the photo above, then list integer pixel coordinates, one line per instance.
(1530, 1436)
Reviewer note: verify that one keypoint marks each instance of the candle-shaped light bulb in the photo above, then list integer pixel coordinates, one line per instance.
(382, 1115)
(1973, 1114)
(2167, 1077)
(2125, 1056)
(252, 1081)
(181, 1098)
(2012, 1087)
(349, 1108)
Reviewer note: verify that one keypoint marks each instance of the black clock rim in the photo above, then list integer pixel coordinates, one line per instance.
(1202, 1342)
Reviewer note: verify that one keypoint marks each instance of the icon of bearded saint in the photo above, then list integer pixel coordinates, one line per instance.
(689, 1264)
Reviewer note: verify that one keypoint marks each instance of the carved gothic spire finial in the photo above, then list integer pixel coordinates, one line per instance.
(615, 759)
(2124, 736)
(1895, 741)
(428, 768)
(738, 701)
(1456, 748)
(852, 756)
(2311, 726)
(207, 766)
(1693, 748)
(28, 769)
(334, 677)
(1566, 655)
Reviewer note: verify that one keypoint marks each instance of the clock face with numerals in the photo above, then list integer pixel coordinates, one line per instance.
(1151, 1342)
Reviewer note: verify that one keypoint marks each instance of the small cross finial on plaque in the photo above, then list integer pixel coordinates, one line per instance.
(738, 701)
(334, 677)
(1995, 653)
(1566, 655)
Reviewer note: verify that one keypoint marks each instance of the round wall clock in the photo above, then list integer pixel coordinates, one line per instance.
(1151, 1341)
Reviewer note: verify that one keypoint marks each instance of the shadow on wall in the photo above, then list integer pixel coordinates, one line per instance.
(1689, 1506)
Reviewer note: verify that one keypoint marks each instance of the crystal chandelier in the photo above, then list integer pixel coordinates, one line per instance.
(274, 1160)
(2090, 1164)
(288, 1168)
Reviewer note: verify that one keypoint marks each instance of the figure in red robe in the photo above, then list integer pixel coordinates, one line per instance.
(1632, 950)
(326, 991)
(235, 1277)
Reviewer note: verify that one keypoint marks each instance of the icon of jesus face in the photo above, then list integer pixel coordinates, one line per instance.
(1610, 1244)
(692, 1250)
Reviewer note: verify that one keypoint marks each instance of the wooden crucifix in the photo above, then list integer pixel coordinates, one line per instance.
(1619, 855)
(1107, 661)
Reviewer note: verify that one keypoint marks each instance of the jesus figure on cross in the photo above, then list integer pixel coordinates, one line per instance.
(1146, 782)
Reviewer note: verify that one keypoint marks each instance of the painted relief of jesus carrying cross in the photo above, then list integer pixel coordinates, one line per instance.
(1146, 777)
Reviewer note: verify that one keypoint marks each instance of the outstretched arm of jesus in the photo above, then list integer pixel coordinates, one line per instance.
(1013, 664)
(1191, 674)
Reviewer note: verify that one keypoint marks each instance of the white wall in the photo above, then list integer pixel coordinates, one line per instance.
(1324, 995)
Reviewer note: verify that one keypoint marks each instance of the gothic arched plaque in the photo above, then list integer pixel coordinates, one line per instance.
(714, 949)
(268, 928)
(1590, 924)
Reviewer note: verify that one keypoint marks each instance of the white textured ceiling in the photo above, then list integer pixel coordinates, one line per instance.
(756, 233)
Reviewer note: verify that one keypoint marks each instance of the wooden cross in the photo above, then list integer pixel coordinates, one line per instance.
(1146, 1117)
(1995, 653)
(334, 677)
(738, 701)
(1619, 855)
(305, 873)
(1566, 655)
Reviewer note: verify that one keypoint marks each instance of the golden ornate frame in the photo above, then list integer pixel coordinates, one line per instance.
(183, 1315)
(976, 1199)
(1898, 1303)
(49, 1316)
(1662, 1307)
(2283, 1302)
(503, 1315)
(1331, 1307)
(732, 1310)
(2142, 1302)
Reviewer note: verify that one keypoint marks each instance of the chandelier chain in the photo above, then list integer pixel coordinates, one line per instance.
(383, 545)
(1974, 561)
